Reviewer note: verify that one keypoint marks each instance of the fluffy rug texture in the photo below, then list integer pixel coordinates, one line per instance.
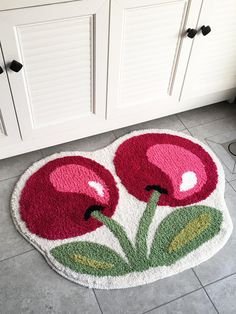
(148, 206)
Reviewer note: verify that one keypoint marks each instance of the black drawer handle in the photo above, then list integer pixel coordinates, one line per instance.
(205, 30)
(191, 32)
(15, 66)
(1, 70)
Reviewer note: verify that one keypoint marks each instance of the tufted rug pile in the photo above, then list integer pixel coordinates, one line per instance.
(148, 206)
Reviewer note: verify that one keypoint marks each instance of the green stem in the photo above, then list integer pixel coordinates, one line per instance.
(120, 234)
(144, 224)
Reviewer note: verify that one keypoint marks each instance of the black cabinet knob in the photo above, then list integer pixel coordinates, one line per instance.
(191, 32)
(1, 70)
(205, 30)
(15, 66)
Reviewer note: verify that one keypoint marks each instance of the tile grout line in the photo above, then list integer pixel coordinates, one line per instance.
(201, 288)
(10, 257)
(178, 117)
(211, 300)
(206, 291)
(231, 185)
(41, 152)
(113, 132)
(234, 166)
(207, 140)
(222, 162)
(10, 178)
(232, 180)
(97, 301)
(22, 171)
(225, 277)
(191, 133)
(202, 124)
(180, 297)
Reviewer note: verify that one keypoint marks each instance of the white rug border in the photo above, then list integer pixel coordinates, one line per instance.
(193, 259)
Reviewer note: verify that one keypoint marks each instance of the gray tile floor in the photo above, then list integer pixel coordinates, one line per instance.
(29, 285)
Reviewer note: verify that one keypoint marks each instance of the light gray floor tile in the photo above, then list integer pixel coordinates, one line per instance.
(227, 162)
(12, 243)
(223, 154)
(229, 190)
(143, 298)
(223, 295)
(170, 122)
(207, 114)
(29, 285)
(223, 137)
(228, 175)
(186, 132)
(14, 166)
(213, 128)
(211, 131)
(215, 143)
(224, 262)
(86, 144)
(233, 184)
(195, 303)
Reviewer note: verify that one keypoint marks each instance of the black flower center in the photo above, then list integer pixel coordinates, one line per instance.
(157, 188)
(91, 209)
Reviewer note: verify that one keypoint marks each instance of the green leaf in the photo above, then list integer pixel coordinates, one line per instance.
(144, 224)
(90, 258)
(119, 232)
(183, 231)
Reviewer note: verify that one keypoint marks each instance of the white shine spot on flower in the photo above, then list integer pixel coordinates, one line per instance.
(97, 186)
(189, 180)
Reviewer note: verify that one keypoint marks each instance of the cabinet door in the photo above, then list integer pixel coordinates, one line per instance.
(149, 51)
(63, 48)
(9, 131)
(212, 65)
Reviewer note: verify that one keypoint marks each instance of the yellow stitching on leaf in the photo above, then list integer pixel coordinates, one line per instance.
(191, 231)
(91, 262)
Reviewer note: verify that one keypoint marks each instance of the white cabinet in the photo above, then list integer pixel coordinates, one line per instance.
(63, 49)
(9, 132)
(90, 66)
(212, 64)
(149, 52)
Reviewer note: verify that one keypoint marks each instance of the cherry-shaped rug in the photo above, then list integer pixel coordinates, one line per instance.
(148, 206)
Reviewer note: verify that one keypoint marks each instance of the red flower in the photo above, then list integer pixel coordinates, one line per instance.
(183, 170)
(58, 199)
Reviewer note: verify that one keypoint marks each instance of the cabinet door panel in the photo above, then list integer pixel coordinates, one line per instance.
(9, 131)
(148, 54)
(58, 69)
(212, 66)
(63, 81)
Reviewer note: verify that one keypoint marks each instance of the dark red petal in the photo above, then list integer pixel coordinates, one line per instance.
(57, 215)
(137, 171)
